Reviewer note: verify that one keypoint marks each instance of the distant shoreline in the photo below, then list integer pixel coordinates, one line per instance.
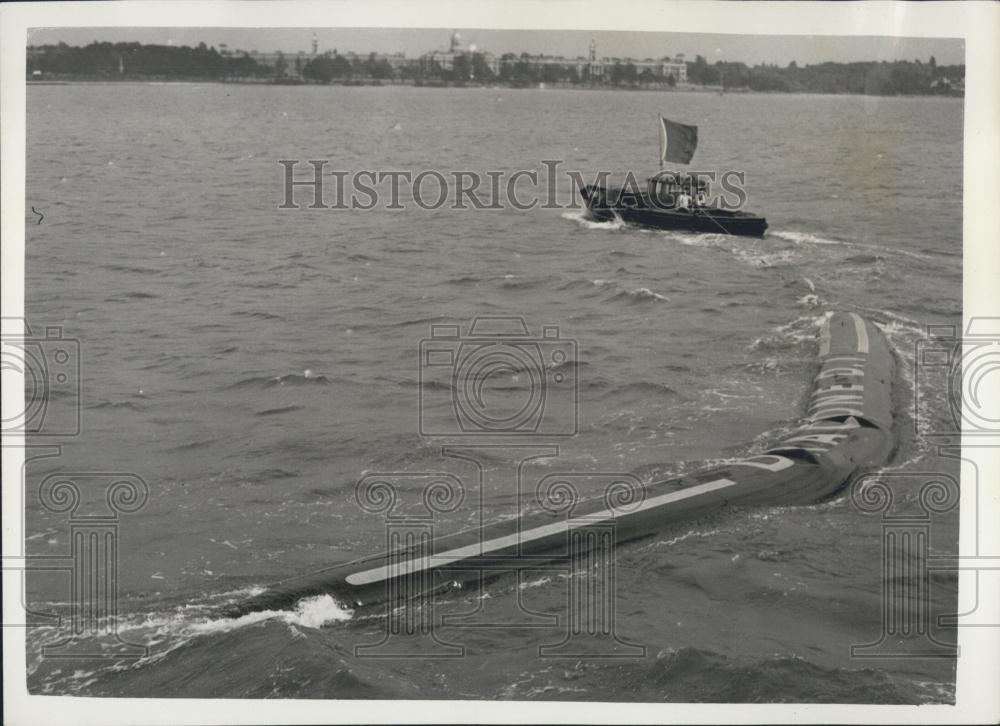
(65, 80)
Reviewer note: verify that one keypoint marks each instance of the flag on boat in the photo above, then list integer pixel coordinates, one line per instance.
(677, 141)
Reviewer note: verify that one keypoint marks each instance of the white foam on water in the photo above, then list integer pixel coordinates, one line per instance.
(173, 630)
(801, 238)
(638, 293)
(581, 217)
(754, 258)
(806, 238)
(801, 330)
(310, 612)
(688, 535)
(693, 239)
(645, 292)
(534, 583)
(936, 692)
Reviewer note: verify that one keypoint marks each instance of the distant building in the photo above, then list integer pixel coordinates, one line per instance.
(599, 68)
(395, 60)
(445, 59)
(594, 66)
(675, 67)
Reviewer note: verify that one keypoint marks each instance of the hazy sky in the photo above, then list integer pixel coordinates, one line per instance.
(751, 49)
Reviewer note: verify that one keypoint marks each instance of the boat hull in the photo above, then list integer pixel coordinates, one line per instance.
(644, 214)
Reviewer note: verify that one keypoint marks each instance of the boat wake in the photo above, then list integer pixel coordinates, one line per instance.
(164, 632)
(581, 217)
(806, 238)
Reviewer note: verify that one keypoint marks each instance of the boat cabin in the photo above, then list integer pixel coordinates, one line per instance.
(667, 187)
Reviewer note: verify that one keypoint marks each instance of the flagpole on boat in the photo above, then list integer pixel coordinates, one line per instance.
(659, 120)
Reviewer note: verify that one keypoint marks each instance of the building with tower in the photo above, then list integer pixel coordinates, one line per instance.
(445, 59)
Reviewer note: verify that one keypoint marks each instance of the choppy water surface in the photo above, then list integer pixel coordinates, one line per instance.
(250, 364)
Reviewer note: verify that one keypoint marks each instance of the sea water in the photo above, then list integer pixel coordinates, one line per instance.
(251, 364)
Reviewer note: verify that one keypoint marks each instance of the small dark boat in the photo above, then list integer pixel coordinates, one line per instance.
(672, 200)
(660, 207)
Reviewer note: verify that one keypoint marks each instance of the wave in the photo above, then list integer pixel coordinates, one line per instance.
(864, 259)
(166, 632)
(706, 676)
(777, 258)
(800, 238)
(640, 294)
(277, 411)
(756, 253)
(429, 320)
(643, 388)
(464, 280)
(104, 405)
(126, 296)
(192, 446)
(582, 284)
(700, 675)
(133, 269)
(583, 218)
(307, 377)
(618, 292)
(806, 238)
(260, 476)
(270, 285)
(516, 282)
(798, 332)
(310, 612)
(256, 314)
(621, 253)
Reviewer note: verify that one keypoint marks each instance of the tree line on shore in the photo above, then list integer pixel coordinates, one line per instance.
(869, 77)
(136, 60)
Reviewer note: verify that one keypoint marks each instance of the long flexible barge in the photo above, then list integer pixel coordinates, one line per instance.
(847, 428)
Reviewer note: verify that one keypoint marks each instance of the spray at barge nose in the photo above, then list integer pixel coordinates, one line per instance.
(847, 428)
